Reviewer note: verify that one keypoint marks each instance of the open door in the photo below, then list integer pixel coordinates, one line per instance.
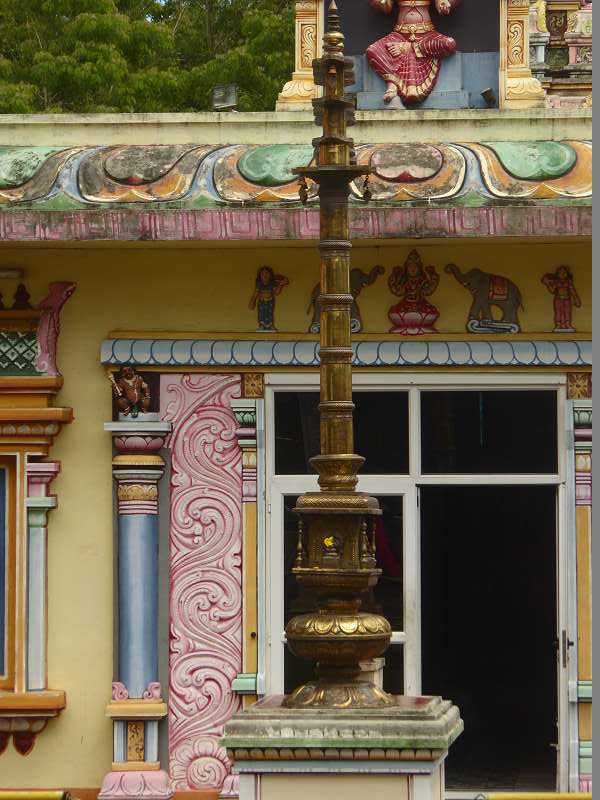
(488, 620)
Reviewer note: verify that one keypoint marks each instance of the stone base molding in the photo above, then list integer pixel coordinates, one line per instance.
(136, 785)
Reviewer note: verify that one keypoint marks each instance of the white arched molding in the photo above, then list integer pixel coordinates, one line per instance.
(518, 87)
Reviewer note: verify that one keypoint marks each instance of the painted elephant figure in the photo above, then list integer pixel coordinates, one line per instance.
(490, 290)
(358, 280)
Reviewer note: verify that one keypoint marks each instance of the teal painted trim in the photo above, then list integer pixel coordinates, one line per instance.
(585, 445)
(244, 683)
(584, 691)
(585, 758)
(244, 410)
(37, 510)
(582, 413)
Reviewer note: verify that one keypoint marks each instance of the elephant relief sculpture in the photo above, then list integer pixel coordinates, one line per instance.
(490, 290)
(358, 280)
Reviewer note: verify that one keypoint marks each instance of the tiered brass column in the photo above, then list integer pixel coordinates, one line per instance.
(336, 547)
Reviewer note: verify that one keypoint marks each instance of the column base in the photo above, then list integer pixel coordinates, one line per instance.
(134, 784)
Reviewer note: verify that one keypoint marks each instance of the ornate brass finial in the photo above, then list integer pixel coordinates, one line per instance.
(333, 41)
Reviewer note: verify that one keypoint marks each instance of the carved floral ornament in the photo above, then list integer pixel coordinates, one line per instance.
(137, 491)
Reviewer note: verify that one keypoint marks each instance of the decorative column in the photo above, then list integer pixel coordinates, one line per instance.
(244, 410)
(578, 36)
(518, 87)
(582, 411)
(137, 705)
(298, 93)
(538, 36)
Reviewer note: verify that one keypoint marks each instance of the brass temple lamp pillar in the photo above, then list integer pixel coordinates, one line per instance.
(336, 531)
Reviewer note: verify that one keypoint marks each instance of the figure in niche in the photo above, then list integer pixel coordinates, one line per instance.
(266, 288)
(131, 391)
(409, 58)
(412, 283)
(560, 284)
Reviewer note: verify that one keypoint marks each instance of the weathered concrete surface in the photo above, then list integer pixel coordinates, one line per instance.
(388, 126)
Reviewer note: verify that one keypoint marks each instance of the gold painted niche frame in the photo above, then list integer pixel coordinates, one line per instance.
(518, 87)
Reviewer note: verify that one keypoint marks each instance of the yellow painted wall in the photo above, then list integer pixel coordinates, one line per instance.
(185, 288)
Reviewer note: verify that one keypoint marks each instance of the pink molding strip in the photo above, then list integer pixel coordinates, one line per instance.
(138, 507)
(290, 224)
(205, 569)
(40, 475)
(49, 326)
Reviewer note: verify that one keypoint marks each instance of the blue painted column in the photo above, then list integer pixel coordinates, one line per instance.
(137, 706)
(138, 578)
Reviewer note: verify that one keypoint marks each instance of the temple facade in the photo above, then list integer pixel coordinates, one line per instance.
(159, 323)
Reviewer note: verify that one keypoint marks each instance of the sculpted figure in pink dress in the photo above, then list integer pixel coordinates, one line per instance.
(409, 58)
(412, 283)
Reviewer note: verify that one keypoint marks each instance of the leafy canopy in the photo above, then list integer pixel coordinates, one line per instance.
(89, 56)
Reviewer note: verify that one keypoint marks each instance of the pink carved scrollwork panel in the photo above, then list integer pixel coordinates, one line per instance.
(205, 573)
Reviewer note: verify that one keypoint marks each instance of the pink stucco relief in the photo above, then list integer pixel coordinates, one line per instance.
(205, 574)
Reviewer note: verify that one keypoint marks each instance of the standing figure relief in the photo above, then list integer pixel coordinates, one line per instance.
(409, 58)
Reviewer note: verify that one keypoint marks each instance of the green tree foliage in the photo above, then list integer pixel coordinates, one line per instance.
(88, 56)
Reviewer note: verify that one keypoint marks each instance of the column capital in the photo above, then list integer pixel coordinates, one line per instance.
(137, 490)
(40, 475)
(138, 442)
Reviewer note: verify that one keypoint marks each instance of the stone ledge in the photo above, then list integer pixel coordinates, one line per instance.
(416, 728)
(291, 127)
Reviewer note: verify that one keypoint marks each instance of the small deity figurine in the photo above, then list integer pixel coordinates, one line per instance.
(131, 391)
(412, 283)
(266, 288)
(560, 284)
(409, 58)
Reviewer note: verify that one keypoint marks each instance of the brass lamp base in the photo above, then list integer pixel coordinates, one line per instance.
(338, 694)
(338, 638)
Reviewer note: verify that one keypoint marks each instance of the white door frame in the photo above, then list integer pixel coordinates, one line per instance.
(276, 486)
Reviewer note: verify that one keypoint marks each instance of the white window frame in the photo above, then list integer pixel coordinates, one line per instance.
(276, 486)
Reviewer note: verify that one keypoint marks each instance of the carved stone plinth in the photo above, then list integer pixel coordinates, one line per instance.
(324, 749)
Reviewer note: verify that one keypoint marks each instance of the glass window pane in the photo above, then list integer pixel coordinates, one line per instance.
(380, 431)
(386, 598)
(489, 432)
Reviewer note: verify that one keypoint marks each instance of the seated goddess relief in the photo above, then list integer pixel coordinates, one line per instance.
(409, 58)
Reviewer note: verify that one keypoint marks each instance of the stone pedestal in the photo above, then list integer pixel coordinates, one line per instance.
(389, 753)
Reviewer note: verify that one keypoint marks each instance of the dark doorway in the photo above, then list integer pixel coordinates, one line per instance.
(488, 598)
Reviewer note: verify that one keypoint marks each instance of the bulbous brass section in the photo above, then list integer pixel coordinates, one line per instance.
(338, 638)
